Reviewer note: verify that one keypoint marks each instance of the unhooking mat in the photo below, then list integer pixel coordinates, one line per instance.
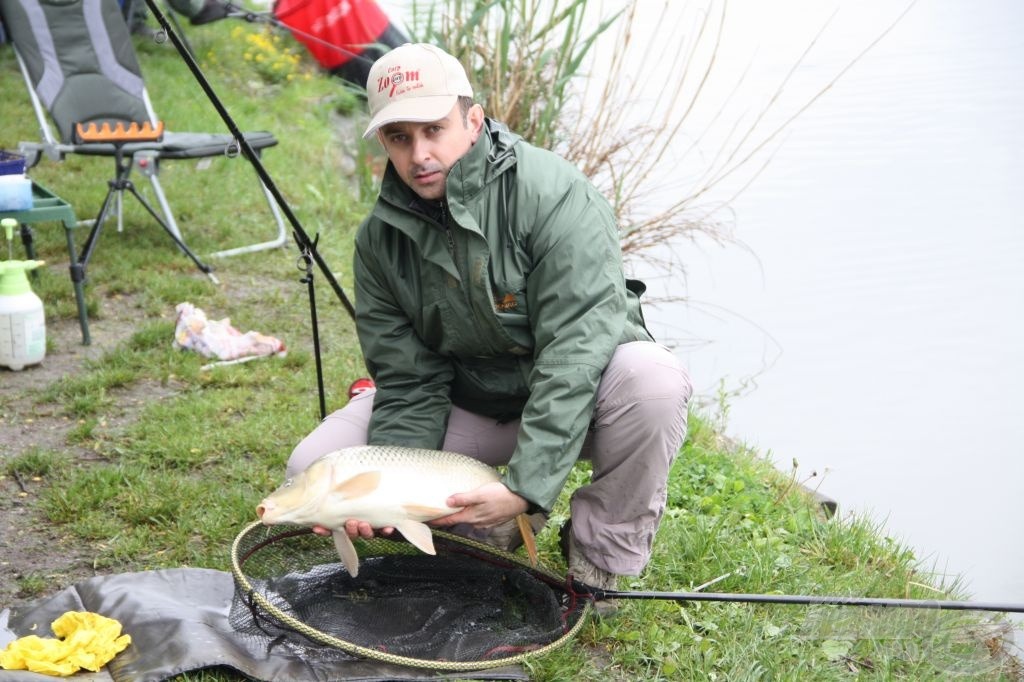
(178, 622)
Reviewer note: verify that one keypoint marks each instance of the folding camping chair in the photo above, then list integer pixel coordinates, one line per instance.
(80, 67)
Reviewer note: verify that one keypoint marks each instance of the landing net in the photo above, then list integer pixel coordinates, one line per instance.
(471, 607)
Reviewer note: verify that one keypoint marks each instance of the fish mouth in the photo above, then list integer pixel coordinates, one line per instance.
(261, 509)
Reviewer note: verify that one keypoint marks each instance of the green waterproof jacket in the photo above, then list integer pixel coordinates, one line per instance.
(506, 299)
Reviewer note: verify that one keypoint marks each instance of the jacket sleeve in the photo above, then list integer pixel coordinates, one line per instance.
(412, 402)
(576, 301)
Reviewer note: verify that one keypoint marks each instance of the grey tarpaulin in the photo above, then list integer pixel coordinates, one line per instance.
(178, 621)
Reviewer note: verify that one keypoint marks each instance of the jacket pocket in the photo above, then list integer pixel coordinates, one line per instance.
(493, 386)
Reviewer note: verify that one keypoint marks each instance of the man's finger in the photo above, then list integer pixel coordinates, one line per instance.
(464, 499)
(355, 528)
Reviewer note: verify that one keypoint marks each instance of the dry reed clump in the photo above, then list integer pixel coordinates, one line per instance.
(529, 59)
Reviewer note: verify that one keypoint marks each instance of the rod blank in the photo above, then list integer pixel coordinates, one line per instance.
(943, 605)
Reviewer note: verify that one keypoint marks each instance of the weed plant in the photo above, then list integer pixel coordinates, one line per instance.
(165, 461)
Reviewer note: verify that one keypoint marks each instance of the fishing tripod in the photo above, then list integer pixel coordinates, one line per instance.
(124, 160)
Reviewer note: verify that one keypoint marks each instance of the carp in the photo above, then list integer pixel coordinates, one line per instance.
(386, 486)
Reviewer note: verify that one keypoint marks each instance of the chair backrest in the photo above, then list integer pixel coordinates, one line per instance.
(79, 57)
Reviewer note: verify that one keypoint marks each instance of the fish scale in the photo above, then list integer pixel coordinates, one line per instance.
(431, 460)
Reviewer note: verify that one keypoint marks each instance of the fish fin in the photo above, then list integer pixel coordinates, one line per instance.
(529, 540)
(347, 551)
(425, 511)
(358, 485)
(418, 534)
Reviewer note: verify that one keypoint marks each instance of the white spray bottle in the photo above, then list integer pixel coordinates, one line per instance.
(22, 321)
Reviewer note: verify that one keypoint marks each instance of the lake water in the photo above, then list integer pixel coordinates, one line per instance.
(873, 323)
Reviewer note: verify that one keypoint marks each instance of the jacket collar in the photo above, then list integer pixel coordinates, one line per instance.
(402, 209)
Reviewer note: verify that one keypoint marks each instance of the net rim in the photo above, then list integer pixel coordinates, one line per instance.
(253, 595)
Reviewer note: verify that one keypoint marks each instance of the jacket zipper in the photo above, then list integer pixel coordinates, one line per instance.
(446, 222)
(448, 235)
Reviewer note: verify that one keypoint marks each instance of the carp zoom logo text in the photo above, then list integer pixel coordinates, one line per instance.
(394, 78)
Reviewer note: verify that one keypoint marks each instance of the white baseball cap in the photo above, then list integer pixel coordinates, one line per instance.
(415, 82)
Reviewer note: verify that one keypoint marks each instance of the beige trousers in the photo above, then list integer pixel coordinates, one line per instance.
(638, 427)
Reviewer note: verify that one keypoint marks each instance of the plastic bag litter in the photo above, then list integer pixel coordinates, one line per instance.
(87, 640)
(218, 339)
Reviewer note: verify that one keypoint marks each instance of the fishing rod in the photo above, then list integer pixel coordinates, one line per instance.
(598, 594)
(570, 585)
(306, 245)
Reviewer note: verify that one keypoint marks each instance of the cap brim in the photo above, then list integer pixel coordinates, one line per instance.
(414, 109)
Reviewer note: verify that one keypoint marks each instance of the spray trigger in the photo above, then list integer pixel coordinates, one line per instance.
(9, 224)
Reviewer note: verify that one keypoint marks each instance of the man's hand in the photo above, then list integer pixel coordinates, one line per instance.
(355, 529)
(484, 507)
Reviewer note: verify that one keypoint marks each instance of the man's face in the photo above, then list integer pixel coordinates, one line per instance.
(424, 153)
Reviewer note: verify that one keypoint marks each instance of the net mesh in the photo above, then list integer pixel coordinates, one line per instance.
(470, 607)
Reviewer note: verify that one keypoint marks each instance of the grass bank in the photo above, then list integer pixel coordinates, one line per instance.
(129, 456)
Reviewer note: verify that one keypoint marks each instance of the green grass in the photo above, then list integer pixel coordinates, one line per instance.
(179, 456)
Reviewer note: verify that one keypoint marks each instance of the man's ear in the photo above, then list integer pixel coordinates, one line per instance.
(475, 120)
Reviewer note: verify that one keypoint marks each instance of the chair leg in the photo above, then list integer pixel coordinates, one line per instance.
(146, 162)
(119, 199)
(77, 284)
(279, 240)
(28, 241)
